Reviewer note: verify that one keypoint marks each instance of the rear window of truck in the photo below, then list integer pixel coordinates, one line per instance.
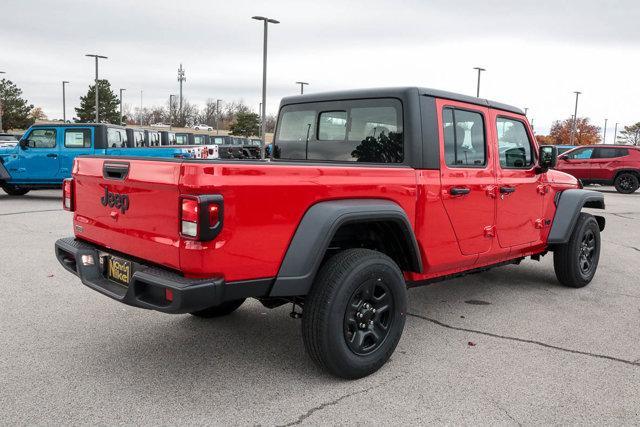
(368, 131)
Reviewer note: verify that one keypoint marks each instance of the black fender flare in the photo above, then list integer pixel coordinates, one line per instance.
(568, 208)
(315, 231)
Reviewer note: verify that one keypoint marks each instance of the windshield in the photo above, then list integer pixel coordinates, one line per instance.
(8, 138)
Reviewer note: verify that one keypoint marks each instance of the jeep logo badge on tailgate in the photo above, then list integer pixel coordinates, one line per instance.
(115, 200)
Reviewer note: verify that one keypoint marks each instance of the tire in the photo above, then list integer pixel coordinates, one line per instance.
(223, 309)
(626, 183)
(13, 190)
(576, 261)
(353, 282)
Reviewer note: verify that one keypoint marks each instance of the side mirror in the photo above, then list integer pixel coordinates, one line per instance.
(24, 144)
(547, 158)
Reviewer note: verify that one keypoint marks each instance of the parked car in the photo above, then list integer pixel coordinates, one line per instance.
(344, 218)
(617, 165)
(45, 154)
(229, 147)
(203, 127)
(8, 140)
(188, 142)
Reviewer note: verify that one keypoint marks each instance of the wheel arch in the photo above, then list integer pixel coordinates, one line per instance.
(323, 222)
(619, 172)
(568, 207)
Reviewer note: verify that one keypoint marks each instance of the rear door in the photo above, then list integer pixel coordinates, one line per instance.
(148, 227)
(520, 192)
(76, 141)
(467, 174)
(604, 162)
(40, 160)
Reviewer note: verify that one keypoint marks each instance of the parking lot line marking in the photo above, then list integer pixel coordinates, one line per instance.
(505, 337)
(26, 212)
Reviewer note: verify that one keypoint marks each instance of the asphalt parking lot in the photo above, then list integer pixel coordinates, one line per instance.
(508, 346)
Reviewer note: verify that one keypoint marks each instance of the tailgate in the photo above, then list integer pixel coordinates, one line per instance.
(130, 206)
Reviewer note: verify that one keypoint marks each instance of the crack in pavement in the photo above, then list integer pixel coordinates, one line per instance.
(320, 407)
(622, 215)
(522, 340)
(26, 212)
(622, 245)
(497, 405)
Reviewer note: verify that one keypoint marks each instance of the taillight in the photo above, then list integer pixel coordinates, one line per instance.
(67, 195)
(201, 216)
(189, 217)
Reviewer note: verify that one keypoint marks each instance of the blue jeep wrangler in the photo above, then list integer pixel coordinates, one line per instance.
(44, 156)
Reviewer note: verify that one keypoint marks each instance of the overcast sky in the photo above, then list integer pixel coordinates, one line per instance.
(536, 52)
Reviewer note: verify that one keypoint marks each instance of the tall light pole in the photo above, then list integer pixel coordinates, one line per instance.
(263, 112)
(121, 90)
(171, 110)
(480, 70)
(1, 110)
(575, 119)
(302, 84)
(140, 107)
(64, 102)
(526, 109)
(181, 78)
(604, 133)
(97, 97)
(615, 133)
(217, 113)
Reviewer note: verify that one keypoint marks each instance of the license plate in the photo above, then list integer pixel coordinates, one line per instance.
(119, 270)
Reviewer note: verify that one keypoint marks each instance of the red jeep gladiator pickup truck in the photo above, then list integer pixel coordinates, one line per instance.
(367, 193)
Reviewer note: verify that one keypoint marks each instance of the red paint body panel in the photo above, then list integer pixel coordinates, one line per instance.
(265, 202)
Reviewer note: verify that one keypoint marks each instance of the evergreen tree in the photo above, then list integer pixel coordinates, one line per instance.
(15, 110)
(246, 124)
(109, 105)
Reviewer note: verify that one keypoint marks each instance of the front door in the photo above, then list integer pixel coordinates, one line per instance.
(520, 191)
(467, 175)
(40, 156)
(577, 163)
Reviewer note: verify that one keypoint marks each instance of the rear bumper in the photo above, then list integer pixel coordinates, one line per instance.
(147, 288)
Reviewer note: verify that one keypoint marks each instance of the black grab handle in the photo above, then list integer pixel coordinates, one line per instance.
(459, 191)
(118, 170)
(507, 190)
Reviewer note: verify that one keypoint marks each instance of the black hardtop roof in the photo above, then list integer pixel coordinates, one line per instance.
(396, 92)
(53, 124)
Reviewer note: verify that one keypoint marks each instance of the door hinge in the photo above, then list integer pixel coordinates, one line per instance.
(490, 231)
(543, 189)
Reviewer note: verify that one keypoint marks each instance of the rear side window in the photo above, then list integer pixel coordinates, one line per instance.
(513, 144)
(218, 140)
(464, 138)
(199, 139)
(367, 131)
(42, 138)
(181, 139)
(77, 138)
(116, 138)
(609, 153)
(138, 138)
(154, 139)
